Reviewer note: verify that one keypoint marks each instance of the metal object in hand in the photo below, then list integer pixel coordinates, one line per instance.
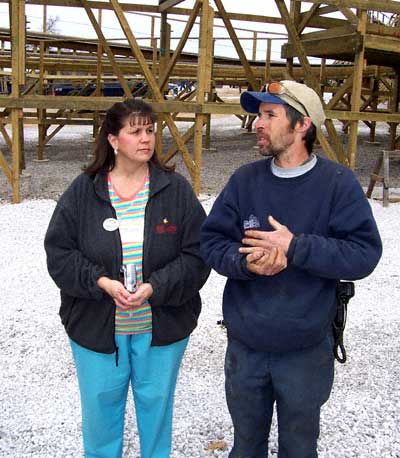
(130, 282)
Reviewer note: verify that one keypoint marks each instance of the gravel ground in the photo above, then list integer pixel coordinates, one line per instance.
(38, 391)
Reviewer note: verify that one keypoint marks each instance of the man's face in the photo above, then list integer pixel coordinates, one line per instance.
(274, 134)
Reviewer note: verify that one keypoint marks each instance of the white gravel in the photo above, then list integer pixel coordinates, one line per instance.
(40, 411)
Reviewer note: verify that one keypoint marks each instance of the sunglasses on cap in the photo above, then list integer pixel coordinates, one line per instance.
(277, 88)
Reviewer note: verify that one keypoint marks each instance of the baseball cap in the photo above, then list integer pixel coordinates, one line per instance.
(286, 92)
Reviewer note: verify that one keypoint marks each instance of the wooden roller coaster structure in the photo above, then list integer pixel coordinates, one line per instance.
(362, 37)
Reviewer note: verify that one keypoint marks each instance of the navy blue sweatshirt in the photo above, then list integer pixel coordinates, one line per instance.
(335, 237)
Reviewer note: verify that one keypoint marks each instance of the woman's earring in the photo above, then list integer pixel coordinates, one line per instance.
(115, 151)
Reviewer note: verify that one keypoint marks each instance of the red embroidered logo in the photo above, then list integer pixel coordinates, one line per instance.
(165, 227)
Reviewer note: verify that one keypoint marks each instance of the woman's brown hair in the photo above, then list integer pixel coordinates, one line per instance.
(114, 121)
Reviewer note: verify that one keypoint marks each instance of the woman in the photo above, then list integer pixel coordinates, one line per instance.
(126, 209)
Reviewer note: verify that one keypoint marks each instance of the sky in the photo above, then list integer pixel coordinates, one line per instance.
(74, 22)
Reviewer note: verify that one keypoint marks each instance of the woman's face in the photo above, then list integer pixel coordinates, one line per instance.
(135, 141)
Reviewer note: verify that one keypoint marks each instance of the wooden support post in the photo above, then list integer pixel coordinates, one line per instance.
(107, 48)
(386, 183)
(254, 53)
(375, 175)
(203, 83)
(17, 20)
(165, 48)
(207, 139)
(154, 66)
(159, 137)
(383, 159)
(209, 76)
(41, 111)
(395, 100)
(242, 56)
(314, 83)
(165, 34)
(170, 62)
(267, 75)
(153, 85)
(374, 106)
(44, 25)
(153, 42)
(294, 15)
(98, 91)
(322, 74)
(356, 91)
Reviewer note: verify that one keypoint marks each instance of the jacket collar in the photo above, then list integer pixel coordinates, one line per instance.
(159, 179)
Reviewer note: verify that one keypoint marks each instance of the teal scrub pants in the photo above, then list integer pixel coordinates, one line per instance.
(152, 372)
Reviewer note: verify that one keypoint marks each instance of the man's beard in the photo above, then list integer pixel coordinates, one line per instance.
(268, 149)
(265, 141)
(271, 150)
(274, 152)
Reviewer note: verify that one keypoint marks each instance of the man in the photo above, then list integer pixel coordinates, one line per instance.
(284, 230)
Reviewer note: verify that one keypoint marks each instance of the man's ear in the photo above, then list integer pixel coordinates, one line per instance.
(302, 128)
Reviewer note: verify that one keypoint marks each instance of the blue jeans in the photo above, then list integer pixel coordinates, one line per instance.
(152, 372)
(299, 382)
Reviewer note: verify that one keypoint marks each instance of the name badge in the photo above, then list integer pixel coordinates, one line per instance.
(110, 224)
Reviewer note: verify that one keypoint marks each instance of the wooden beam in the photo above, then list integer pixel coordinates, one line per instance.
(363, 116)
(172, 106)
(379, 43)
(344, 87)
(238, 46)
(385, 6)
(6, 137)
(17, 16)
(167, 4)
(356, 91)
(342, 47)
(6, 168)
(189, 25)
(267, 76)
(327, 9)
(107, 48)
(313, 82)
(321, 22)
(152, 84)
(348, 14)
(306, 17)
(203, 85)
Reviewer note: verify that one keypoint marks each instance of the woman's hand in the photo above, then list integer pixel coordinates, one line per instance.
(143, 292)
(122, 297)
(116, 290)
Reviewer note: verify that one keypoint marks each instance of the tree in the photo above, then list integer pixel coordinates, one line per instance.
(51, 24)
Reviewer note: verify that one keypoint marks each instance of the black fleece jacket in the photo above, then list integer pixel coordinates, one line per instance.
(79, 251)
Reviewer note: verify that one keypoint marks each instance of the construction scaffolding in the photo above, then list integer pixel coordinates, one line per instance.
(362, 37)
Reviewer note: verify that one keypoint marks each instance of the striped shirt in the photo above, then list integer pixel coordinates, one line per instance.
(130, 214)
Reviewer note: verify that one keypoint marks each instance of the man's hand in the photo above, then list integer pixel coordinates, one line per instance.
(280, 237)
(265, 262)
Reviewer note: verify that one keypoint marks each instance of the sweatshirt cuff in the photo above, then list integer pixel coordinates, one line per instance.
(245, 270)
(96, 291)
(292, 248)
